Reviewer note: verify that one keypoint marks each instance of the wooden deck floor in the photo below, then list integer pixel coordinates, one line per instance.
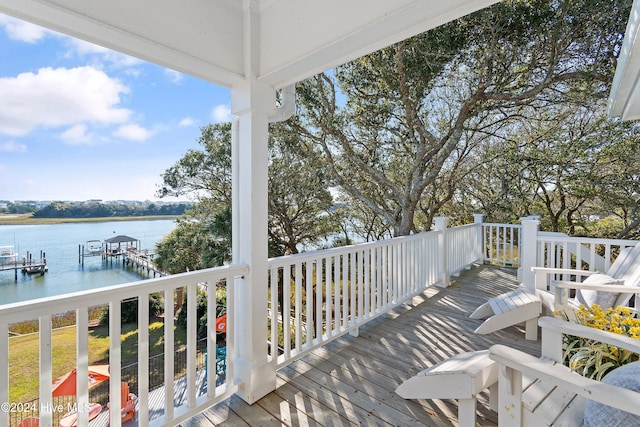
(352, 381)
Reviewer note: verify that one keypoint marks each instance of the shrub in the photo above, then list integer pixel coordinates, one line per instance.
(221, 309)
(129, 309)
(594, 359)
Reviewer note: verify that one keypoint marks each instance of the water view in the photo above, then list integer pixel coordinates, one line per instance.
(60, 243)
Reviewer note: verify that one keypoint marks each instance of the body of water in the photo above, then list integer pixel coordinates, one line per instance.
(60, 243)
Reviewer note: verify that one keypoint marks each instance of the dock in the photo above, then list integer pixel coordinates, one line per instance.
(117, 247)
(26, 265)
(142, 259)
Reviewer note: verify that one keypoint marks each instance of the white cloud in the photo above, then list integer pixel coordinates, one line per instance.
(77, 135)
(13, 147)
(174, 76)
(221, 113)
(22, 31)
(186, 122)
(133, 132)
(60, 97)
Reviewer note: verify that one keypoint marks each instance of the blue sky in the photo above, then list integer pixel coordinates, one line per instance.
(80, 122)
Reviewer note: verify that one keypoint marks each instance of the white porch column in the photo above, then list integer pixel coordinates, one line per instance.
(252, 102)
(440, 224)
(527, 247)
(478, 219)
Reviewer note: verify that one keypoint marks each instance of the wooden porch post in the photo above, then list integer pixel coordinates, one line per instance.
(528, 247)
(440, 224)
(252, 102)
(478, 219)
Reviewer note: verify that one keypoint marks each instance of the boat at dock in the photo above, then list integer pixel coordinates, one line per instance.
(94, 247)
(35, 269)
(8, 255)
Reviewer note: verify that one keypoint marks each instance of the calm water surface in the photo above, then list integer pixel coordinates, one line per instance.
(60, 243)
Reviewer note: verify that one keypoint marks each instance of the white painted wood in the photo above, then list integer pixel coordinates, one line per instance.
(298, 305)
(46, 376)
(309, 324)
(274, 311)
(253, 103)
(551, 398)
(467, 412)
(115, 361)
(286, 311)
(555, 294)
(319, 266)
(440, 225)
(624, 99)
(459, 377)
(482, 312)
(528, 256)
(508, 309)
(4, 373)
(522, 305)
(192, 333)
(231, 279)
(115, 294)
(143, 359)
(82, 363)
(509, 396)
(336, 292)
(169, 351)
(344, 282)
(209, 39)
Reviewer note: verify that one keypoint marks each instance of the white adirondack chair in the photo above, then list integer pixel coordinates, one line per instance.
(612, 289)
(542, 392)
(525, 304)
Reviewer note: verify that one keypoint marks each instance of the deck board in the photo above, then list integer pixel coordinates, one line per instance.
(352, 380)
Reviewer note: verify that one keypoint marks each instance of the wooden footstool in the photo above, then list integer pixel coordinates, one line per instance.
(460, 377)
(518, 306)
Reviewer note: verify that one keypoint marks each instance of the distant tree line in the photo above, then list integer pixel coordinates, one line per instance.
(17, 208)
(102, 210)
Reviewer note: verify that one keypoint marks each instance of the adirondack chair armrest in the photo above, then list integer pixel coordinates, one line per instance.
(513, 363)
(562, 289)
(562, 285)
(542, 274)
(554, 270)
(554, 327)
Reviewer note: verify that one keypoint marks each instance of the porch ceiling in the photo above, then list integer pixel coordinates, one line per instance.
(624, 100)
(224, 41)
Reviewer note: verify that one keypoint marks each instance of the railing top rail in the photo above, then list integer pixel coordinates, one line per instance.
(312, 255)
(463, 226)
(552, 237)
(497, 224)
(87, 298)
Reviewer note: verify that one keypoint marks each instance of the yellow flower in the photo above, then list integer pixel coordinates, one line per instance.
(593, 359)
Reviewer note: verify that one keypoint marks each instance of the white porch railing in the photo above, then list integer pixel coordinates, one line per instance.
(45, 309)
(557, 250)
(562, 251)
(314, 298)
(501, 243)
(324, 294)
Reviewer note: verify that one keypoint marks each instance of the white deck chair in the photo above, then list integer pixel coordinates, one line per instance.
(537, 392)
(612, 289)
(524, 305)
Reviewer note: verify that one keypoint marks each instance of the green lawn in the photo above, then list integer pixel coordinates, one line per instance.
(24, 354)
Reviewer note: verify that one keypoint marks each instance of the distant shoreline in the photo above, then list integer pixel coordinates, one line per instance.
(27, 219)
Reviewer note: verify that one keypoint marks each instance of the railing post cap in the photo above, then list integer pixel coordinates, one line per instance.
(440, 222)
(535, 218)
